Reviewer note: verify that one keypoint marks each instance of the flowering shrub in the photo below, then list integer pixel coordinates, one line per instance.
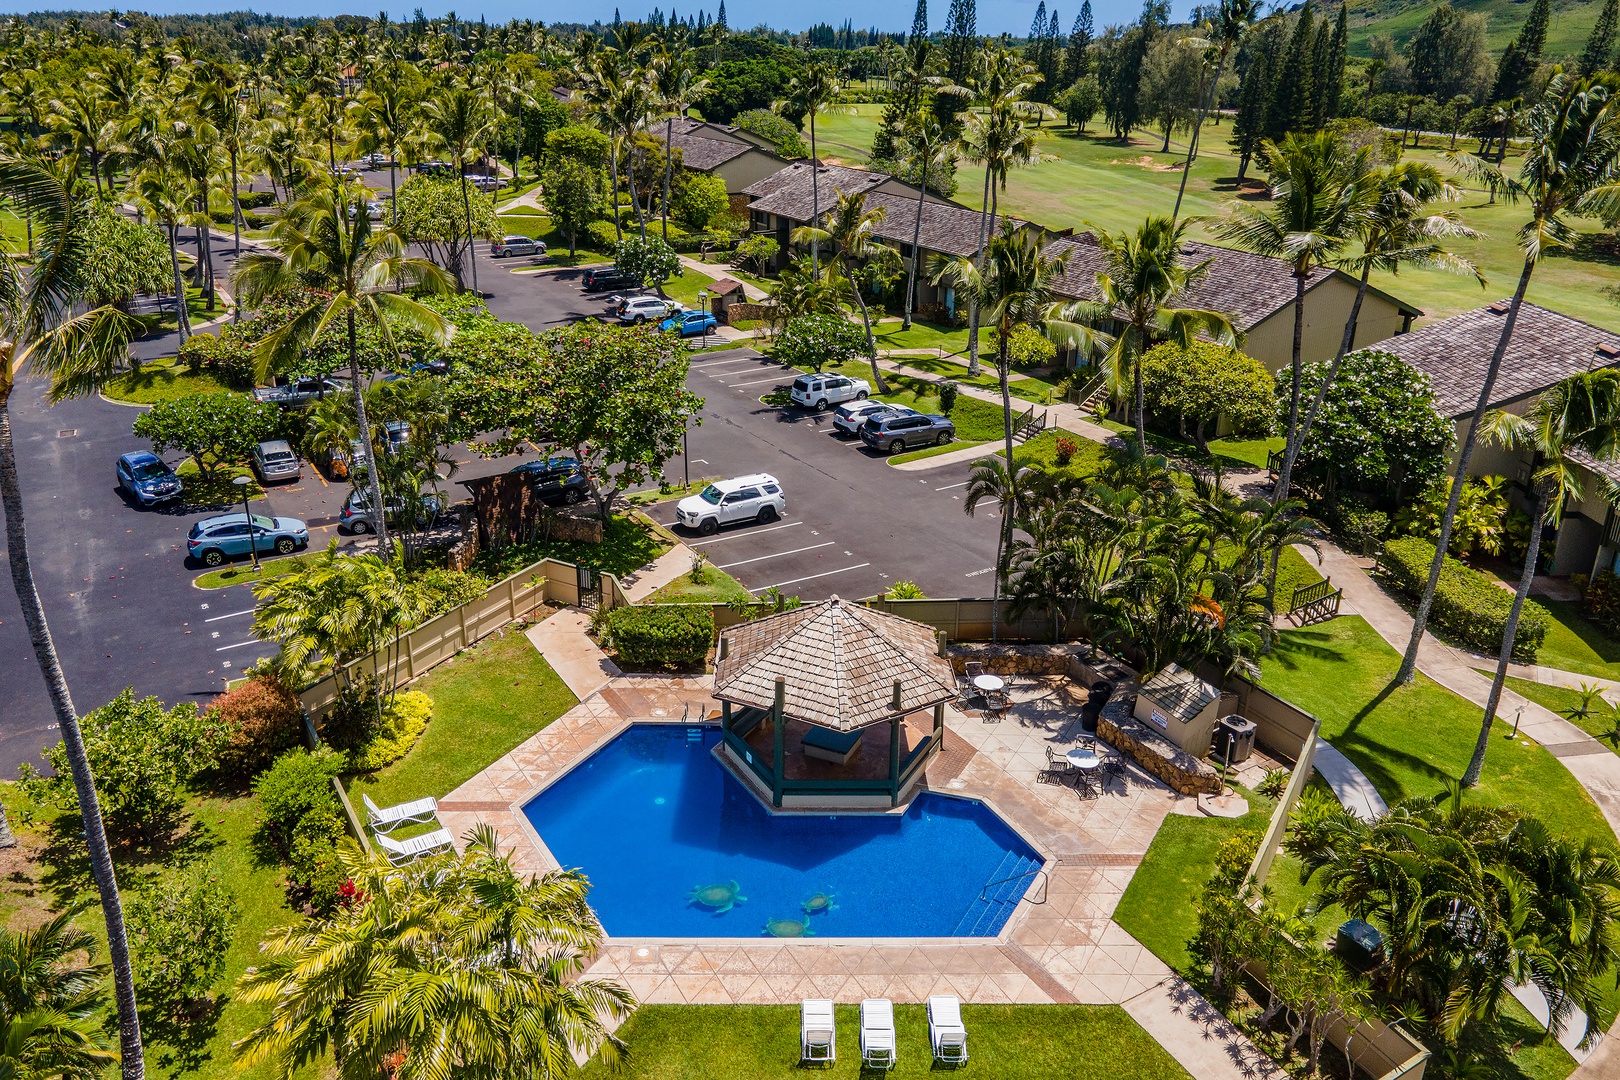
(1205, 381)
(809, 341)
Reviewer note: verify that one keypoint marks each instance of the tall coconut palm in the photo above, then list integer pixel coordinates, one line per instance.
(851, 232)
(219, 103)
(458, 119)
(929, 150)
(602, 86)
(459, 962)
(816, 91)
(1232, 20)
(321, 242)
(676, 85)
(387, 116)
(48, 1002)
(1142, 277)
(1578, 417)
(1399, 229)
(628, 106)
(1317, 210)
(77, 351)
(165, 195)
(1570, 168)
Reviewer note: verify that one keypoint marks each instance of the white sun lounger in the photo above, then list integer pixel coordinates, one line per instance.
(877, 1033)
(945, 1031)
(403, 851)
(415, 812)
(818, 1035)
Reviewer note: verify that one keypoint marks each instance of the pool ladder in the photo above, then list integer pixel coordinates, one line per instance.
(694, 735)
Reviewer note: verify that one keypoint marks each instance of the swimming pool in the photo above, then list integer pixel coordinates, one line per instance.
(676, 847)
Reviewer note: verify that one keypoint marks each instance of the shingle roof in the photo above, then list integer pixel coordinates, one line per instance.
(1546, 348)
(704, 154)
(946, 227)
(1179, 692)
(838, 661)
(787, 192)
(1249, 288)
(1607, 469)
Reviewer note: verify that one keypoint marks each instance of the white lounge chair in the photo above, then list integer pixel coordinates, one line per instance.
(877, 1033)
(945, 1031)
(415, 812)
(818, 1035)
(403, 851)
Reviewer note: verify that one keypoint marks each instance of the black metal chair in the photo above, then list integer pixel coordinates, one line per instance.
(1084, 787)
(996, 704)
(1058, 762)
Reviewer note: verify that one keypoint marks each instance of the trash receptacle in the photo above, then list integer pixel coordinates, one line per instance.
(1236, 732)
(1359, 945)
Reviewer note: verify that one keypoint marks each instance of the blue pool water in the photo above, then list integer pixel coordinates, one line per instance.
(652, 816)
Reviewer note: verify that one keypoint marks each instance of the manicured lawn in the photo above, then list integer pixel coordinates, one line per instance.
(935, 451)
(1566, 702)
(717, 587)
(161, 380)
(1409, 739)
(1574, 644)
(1251, 452)
(1294, 570)
(654, 495)
(196, 308)
(922, 335)
(627, 544)
(485, 702)
(1028, 388)
(761, 1042)
(242, 573)
(1157, 908)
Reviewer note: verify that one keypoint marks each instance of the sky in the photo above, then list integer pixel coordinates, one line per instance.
(1005, 16)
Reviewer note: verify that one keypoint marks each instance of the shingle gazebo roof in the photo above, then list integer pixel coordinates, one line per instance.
(838, 661)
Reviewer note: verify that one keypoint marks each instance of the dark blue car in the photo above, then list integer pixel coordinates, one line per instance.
(147, 479)
(690, 323)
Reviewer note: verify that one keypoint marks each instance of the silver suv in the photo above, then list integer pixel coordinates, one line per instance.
(894, 433)
(274, 460)
(757, 497)
(822, 392)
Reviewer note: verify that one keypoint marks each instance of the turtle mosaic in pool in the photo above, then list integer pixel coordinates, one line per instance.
(676, 847)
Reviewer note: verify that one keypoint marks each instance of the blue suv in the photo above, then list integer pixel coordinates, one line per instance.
(690, 323)
(213, 540)
(147, 479)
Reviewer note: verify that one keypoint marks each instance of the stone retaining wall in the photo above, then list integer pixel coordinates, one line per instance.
(1012, 659)
(1158, 755)
(736, 313)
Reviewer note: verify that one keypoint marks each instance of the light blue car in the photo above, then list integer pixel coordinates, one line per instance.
(690, 323)
(213, 540)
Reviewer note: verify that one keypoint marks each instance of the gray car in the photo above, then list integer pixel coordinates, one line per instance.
(300, 391)
(893, 433)
(274, 460)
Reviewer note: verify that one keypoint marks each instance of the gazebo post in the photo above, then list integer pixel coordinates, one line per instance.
(939, 726)
(725, 719)
(779, 738)
(894, 748)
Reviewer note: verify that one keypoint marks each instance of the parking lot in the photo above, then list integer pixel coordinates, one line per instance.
(853, 524)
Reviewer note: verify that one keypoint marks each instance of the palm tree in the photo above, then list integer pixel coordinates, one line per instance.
(815, 92)
(929, 149)
(164, 193)
(628, 104)
(387, 116)
(220, 104)
(1000, 140)
(321, 242)
(458, 961)
(851, 230)
(676, 85)
(1142, 277)
(1571, 167)
(1580, 415)
(48, 1002)
(603, 88)
(458, 120)
(77, 351)
(1232, 20)
(1317, 209)
(1397, 230)
(996, 482)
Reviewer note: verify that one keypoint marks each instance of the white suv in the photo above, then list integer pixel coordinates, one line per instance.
(822, 392)
(747, 498)
(638, 309)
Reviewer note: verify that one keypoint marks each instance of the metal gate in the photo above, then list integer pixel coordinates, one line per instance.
(590, 588)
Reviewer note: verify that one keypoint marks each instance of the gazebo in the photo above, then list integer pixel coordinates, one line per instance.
(827, 704)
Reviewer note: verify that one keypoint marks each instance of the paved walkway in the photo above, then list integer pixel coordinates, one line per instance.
(1350, 785)
(719, 270)
(1550, 676)
(1198, 1035)
(562, 640)
(660, 572)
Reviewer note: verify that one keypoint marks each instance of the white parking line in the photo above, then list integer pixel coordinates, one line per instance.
(726, 363)
(812, 577)
(232, 615)
(241, 645)
(755, 532)
(778, 555)
(755, 382)
(948, 487)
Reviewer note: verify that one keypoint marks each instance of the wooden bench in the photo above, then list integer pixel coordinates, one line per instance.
(834, 746)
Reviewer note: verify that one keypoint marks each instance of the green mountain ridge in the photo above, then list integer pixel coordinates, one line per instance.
(1566, 34)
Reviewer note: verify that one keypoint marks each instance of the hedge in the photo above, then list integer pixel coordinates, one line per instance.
(661, 635)
(1467, 603)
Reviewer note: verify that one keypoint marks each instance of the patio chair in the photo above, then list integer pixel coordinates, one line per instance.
(877, 1033)
(1084, 787)
(945, 1031)
(1058, 762)
(818, 1034)
(387, 819)
(401, 852)
(996, 704)
(1085, 742)
(1114, 765)
(972, 669)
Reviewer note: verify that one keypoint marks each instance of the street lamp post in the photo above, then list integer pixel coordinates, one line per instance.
(703, 303)
(253, 540)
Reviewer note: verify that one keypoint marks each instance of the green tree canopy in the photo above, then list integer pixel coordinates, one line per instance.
(215, 429)
(431, 213)
(124, 258)
(1204, 381)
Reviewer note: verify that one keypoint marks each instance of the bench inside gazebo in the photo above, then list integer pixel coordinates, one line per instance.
(832, 704)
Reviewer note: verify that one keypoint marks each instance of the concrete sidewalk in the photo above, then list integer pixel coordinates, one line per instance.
(1198, 1036)
(754, 293)
(562, 641)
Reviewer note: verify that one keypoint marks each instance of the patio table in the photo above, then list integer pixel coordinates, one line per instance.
(988, 683)
(1084, 759)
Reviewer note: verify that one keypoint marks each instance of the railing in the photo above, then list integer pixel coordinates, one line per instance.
(1085, 393)
(1037, 872)
(1026, 424)
(1314, 603)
